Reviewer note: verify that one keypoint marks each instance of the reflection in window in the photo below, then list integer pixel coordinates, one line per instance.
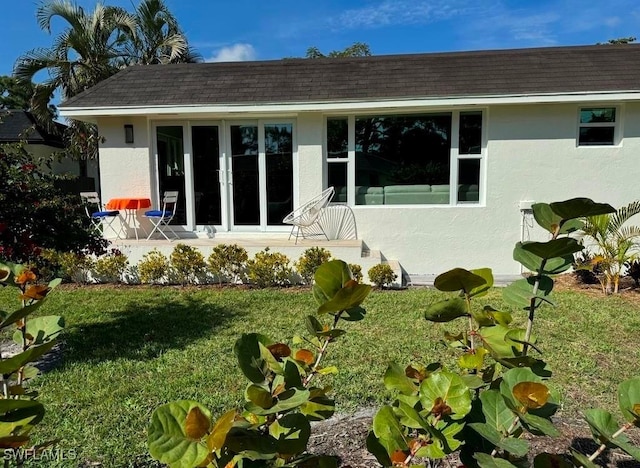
(278, 141)
(395, 151)
(337, 178)
(470, 133)
(244, 164)
(337, 137)
(468, 180)
(597, 126)
(170, 144)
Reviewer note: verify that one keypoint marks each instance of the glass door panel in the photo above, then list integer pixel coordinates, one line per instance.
(278, 143)
(170, 145)
(245, 180)
(206, 170)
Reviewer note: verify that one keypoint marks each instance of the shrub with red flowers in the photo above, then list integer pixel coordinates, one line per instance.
(35, 213)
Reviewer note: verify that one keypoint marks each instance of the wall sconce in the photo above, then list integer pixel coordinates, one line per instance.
(128, 133)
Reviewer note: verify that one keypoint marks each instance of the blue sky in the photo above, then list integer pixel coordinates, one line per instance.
(262, 30)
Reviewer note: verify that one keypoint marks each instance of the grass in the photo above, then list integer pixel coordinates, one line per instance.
(129, 349)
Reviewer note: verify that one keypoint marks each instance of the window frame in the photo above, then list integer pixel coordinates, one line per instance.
(454, 156)
(616, 124)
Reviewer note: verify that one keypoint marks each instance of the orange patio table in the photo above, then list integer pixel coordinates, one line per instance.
(129, 205)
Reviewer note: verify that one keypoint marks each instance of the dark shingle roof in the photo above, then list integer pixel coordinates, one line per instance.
(481, 73)
(19, 125)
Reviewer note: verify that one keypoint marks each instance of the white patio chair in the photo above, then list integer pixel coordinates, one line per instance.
(307, 215)
(163, 217)
(100, 218)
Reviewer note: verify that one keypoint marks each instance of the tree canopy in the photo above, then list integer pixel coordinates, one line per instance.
(93, 46)
(357, 49)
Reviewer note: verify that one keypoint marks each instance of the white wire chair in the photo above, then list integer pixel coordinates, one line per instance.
(163, 217)
(307, 216)
(100, 218)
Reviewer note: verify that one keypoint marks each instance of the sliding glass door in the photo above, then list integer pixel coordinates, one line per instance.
(230, 176)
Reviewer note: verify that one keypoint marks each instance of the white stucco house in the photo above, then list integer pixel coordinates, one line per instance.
(439, 155)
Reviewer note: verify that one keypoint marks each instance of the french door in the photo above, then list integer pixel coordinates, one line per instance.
(236, 176)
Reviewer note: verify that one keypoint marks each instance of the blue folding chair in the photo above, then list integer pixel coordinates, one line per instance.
(101, 219)
(163, 217)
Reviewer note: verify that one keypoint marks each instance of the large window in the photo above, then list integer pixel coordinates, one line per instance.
(406, 159)
(597, 126)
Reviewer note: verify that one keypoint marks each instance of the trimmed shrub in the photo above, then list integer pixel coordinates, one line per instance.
(381, 275)
(228, 262)
(76, 267)
(356, 272)
(111, 267)
(309, 262)
(153, 268)
(187, 264)
(269, 269)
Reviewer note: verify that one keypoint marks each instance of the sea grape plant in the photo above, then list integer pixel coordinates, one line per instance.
(20, 411)
(282, 397)
(500, 391)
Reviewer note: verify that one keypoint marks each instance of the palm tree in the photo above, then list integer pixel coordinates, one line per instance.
(614, 242)
(94, 46)
(158, 38)
(84, 54)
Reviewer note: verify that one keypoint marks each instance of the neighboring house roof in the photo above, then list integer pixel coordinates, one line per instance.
(19, 125)
(542, 71)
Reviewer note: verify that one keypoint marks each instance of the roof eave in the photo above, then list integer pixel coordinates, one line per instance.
(90, 113)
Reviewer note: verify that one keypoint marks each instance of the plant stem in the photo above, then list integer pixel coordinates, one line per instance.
(601, 449)
(532, 305)
(513, 426)
(322, 352)
(472, 340)
(413, 451)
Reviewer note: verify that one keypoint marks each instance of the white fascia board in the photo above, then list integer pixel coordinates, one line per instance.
(85, 113)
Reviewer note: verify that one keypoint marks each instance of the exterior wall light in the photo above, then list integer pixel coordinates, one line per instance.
(128, 133)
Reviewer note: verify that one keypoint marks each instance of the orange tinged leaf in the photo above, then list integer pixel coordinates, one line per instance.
(532, 395)
(306, 356)
(440, 408)
(220, 430)
(279, 350)
(398, 457)
(12, 442)
(414, 373)
(636, 408)
(27, 276)
(35, 292)
(197, 424)
(351, 283)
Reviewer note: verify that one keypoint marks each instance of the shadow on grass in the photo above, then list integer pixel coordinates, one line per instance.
(143, 330)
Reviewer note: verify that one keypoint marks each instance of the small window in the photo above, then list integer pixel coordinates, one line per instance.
(597, 126)
(337, 137)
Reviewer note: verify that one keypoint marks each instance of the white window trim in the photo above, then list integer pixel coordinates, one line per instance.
(617, 124)
(455, 157)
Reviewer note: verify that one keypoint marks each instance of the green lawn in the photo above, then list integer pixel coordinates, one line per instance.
(130, 349)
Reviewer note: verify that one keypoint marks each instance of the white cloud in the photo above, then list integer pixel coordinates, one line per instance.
(234, 53)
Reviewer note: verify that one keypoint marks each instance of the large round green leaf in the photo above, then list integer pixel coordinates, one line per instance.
(287, 400)
(329, 278)
(348, 297)
(251, 358)
(447, 310)
(446, 388)
(517, 447)
(496, 412)
(458, 279)
(553, 248)
(395, 378)
(532, 262)
(444, 442)
(42, 329)
(520, 293)
(167, 438)
(388, 430)
(629, 400)
(482, 290)
(580, 208)
(487, 461)
(550, 221)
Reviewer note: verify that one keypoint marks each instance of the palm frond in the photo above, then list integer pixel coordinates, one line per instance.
(622, 215)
